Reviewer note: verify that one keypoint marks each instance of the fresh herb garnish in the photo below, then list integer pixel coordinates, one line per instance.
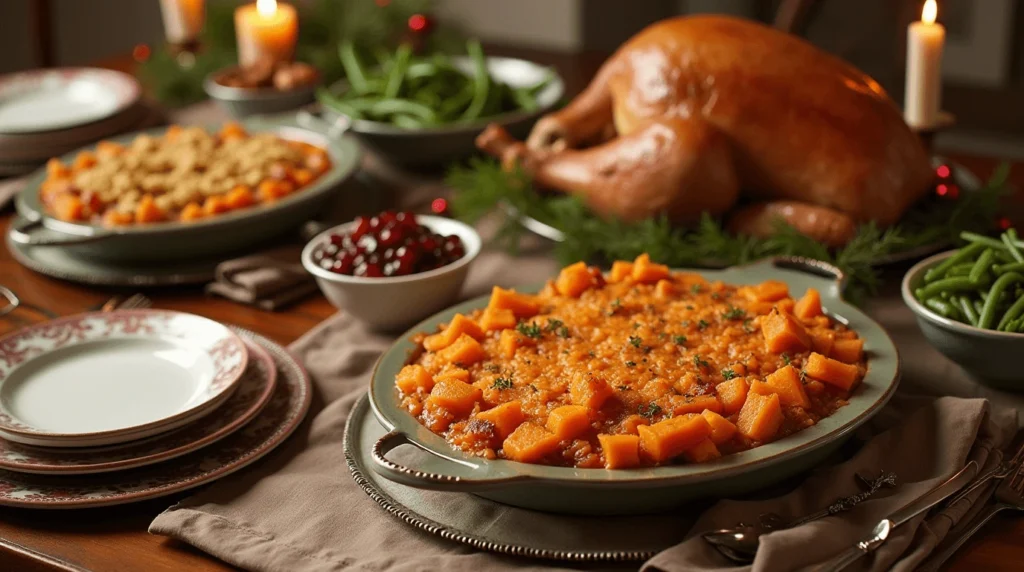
(679, 340)
(530, 330)
(695, 288)
(728, 374)
(635, 341)
(630, 363)
(699, 361)
(563, 332)
(803, 376)
(785, 358)
(554, 324)
(622, 387)
(689, 306)
(592, 354)
(715, 295)
(701, 325)
(616, 304)
(501, 383)
(649, 410)
(748, 326)
(734, 313)
(636, 325)
(492, 368)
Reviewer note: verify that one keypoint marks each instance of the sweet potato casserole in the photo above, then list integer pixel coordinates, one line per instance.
(640, 367)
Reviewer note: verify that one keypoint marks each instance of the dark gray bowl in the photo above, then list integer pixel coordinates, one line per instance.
(448, 143)
(988, 354)
(242, 102)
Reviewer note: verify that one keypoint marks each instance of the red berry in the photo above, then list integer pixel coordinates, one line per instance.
(362, 227)
(373, 271)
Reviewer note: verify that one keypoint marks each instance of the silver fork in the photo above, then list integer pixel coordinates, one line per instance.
(1009, 496)
(133, 302)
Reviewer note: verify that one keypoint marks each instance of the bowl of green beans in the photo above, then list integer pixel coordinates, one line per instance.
(421, 110)
(969, 304)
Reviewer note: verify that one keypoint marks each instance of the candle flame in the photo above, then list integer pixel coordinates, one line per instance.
(267, 8)
(929, 12)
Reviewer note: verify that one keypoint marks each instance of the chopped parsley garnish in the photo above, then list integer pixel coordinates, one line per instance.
(685, 323)
(502, 383)
(635, 341)
(702, 324)
(679, 340)
(636, 325)
(563, 332)
(695, 288)
(748, 326)
(622, 387)
(616, 304)
(554, 324)
(591, 354)
(785, 358)
(734, 313)
(649, 410)
(630, 363)
(715, 295)
(699, 361)
(534, 388)
(728, 374)
(689, 307)
(492, 367)
(529, 330)
(803, 376)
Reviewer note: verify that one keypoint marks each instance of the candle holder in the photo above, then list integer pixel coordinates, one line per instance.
(927, 134)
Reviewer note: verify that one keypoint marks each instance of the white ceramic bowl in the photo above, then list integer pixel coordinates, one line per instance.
(395, 302)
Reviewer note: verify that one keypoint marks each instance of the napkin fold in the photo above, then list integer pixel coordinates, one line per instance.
(299, 510)
(269, 280)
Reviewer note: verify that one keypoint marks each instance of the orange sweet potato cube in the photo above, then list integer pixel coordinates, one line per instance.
(68, 207)
(760, 417)
(620, 451)
(457, 397)
(456, 328)
(646, 272)
(721, 428)
(214, 205)
(664, 289)
(505, 418)
(732, 394)
(522, 305)
(147, 211)
(669, 438)
(57, 170)
(809, 306)
(466, 351)
(114, 217)
(412, 378)
(621, 270)
(574, 279)
(240, 197)
(631, 422)
(785, 383)
(847, 350)
(84, 160)
(783, 333)
(192, 211)
(695, 404)
(786, 305)
(832, 372)
(569, 421)
(822, 341)
(509, 342)
(770, 291)
(530, 443)
(453, 373)
(702, 452)
(497, 319)
(589, 391)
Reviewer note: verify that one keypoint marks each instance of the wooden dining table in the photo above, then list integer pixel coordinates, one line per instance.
(116, 538)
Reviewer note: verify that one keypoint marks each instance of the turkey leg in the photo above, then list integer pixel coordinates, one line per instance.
(682, 167)
(587, 118)
(827, 226)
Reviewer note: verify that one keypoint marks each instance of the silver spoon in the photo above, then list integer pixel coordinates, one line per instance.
(740, 542)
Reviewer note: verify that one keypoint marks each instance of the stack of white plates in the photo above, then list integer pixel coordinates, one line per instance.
(46, 113)
(121, 393)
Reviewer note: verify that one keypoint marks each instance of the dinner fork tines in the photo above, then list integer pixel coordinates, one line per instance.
(1009, 496)
(135, 302)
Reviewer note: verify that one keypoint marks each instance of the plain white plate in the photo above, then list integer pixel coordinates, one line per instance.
(97, 379)
(46, 100)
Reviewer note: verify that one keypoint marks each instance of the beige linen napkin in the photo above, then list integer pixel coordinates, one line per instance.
(299, 510)
(270, 280)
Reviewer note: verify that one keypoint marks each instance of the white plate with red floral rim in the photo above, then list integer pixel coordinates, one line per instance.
(254, 392)
(105, 378)
(279, 419)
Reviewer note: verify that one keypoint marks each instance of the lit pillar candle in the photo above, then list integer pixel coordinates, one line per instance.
(183, 19)
(923, 96)
(266, 30)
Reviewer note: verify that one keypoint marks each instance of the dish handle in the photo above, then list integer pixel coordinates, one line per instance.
(22, 231)
(312, 117)
(831, 275)
(462, 479)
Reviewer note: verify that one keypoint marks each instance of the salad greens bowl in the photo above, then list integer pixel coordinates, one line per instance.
(644, 490)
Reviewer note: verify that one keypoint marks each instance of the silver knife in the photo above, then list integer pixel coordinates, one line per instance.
(885, 526)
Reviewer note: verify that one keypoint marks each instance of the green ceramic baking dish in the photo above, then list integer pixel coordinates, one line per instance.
(604, 492)
(224, 234)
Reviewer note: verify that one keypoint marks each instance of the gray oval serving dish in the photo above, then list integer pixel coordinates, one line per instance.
(446, 143)
(647, 490)
(987, 354)
(227, 233)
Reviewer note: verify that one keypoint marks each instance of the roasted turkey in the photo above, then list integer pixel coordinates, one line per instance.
(695, 113)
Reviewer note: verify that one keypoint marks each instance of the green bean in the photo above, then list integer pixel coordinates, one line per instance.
(481, 81)
(956, 284)
(968, 310)
(397, 73)
(975, 238)
(1012, 314)
(1007, 239)
(524, 98)
(406, 121)
(1001, 283)
(964, 254)
(389, 106)
(942, 308)
(981, 266)
(344, 107)
(353, 71)
(1012, 267)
